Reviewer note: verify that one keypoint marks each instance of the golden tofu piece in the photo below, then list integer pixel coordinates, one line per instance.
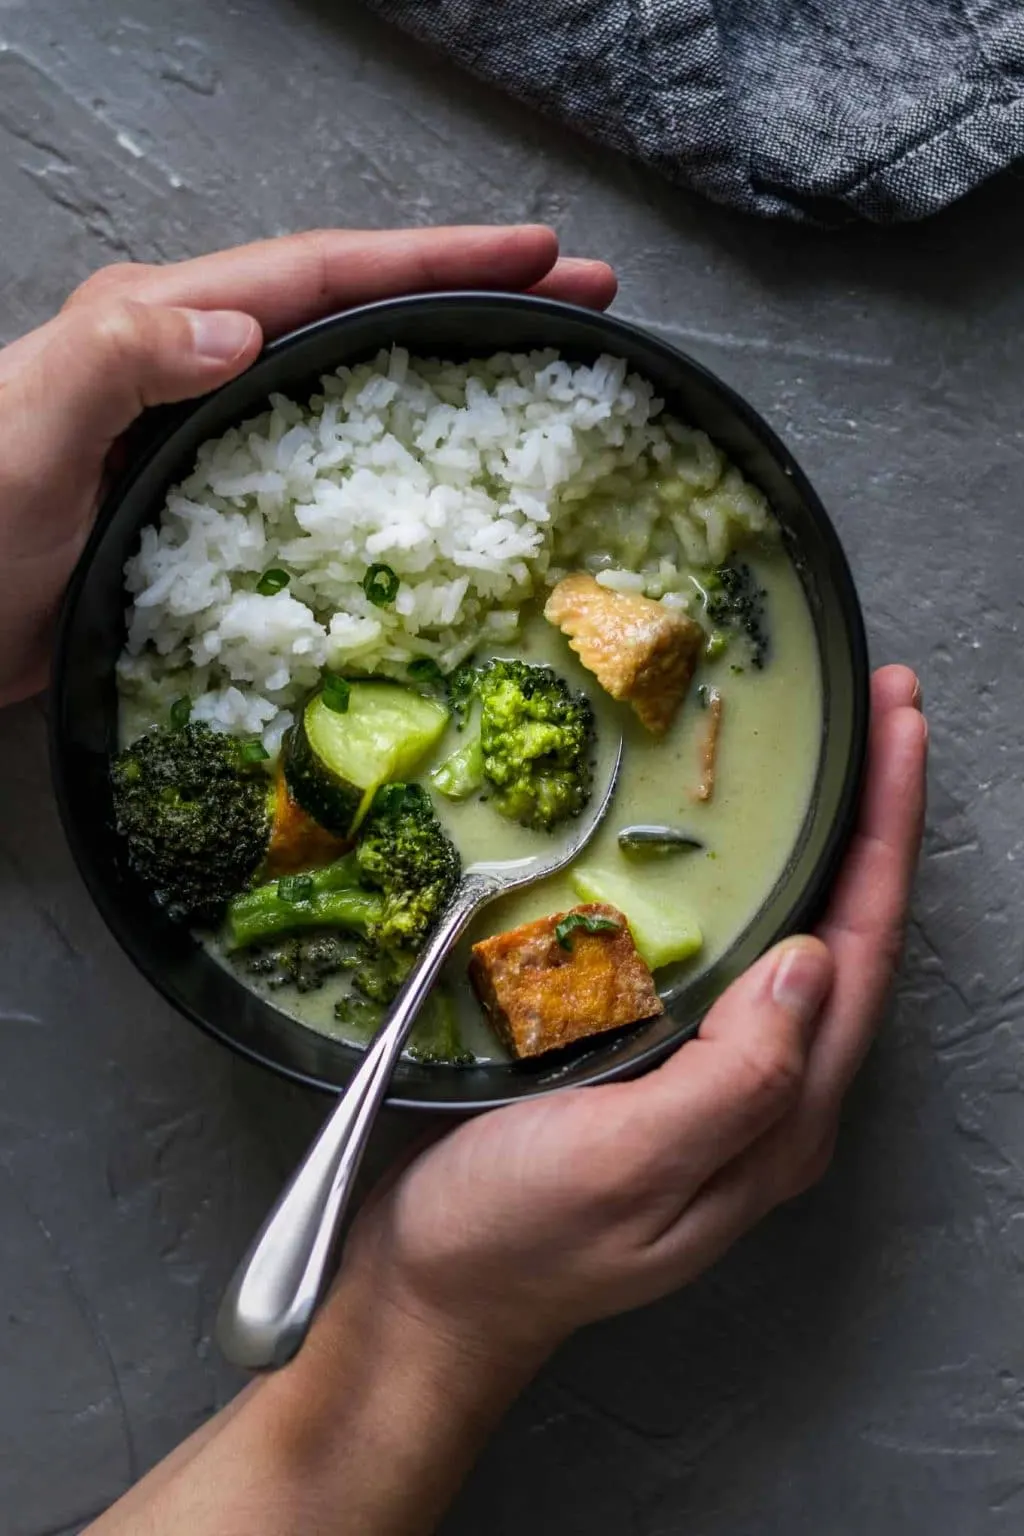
(639, 651)
(540, 995)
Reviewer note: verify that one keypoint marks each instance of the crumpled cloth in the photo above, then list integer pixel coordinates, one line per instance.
(811, 109)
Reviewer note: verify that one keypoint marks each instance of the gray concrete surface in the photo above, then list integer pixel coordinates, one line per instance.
(856, 1366)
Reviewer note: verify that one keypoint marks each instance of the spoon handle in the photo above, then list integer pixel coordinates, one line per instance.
(269, 1305)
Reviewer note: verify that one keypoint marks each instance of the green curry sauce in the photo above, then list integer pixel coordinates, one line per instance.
(766, 765)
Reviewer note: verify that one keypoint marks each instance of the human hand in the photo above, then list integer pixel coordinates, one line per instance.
(136, 336)
(527, 1222)
(462, 1274)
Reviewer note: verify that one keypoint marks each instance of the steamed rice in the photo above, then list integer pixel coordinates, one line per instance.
(478, 484)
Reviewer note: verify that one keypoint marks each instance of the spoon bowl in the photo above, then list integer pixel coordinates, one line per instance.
(516, 873)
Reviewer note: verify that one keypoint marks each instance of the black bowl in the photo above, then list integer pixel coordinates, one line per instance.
(454, 325)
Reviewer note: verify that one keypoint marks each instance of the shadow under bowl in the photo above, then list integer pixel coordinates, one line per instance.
(92, 630)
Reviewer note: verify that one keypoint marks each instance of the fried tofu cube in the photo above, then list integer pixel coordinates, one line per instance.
(541, 994)
(639, 651)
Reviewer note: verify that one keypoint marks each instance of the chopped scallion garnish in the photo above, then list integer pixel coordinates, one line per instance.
(295, 888)
(336, 693)
(567, 926)
(381, 585)
(274, 580)
(425, 670)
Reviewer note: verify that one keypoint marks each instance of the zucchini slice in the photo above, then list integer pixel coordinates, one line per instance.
(335, 762)
(663, 932)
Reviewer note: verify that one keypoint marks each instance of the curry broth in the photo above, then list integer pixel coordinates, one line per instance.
(767, 763)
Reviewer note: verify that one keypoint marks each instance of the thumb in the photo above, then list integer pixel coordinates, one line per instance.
(106, 362)
(729, 1085)
(746, 1066)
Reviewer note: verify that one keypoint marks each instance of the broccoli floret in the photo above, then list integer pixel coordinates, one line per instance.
(380, 972)
(404, 853)
(437, 1040)
(331, 897)
(307, 961)
(461, 689)
(276, 964)
(304, 962)
(536, 737)
(196, 815)
(735, 605)
(389, 891)
(358, 1014)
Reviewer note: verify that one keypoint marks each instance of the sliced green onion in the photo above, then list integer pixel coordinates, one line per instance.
(425, 670)
(381, 585)
(717, 644)
(253, 752)
(567, 925)
(295, 888)
(181, 713)
(274, 580)
(336, 693)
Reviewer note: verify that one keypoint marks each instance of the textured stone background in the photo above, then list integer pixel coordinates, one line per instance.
(857, 1366)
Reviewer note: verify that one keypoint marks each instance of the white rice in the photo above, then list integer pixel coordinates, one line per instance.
(478, 484)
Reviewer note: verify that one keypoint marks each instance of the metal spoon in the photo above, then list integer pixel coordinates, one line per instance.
(654, 842)
(270, 1302)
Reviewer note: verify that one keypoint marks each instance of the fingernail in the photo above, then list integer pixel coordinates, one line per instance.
(802, 979)
(220, 334)
(917, 697)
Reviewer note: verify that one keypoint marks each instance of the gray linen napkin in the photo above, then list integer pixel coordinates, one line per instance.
(820, 109)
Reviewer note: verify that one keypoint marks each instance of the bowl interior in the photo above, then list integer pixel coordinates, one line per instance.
(92, 634)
